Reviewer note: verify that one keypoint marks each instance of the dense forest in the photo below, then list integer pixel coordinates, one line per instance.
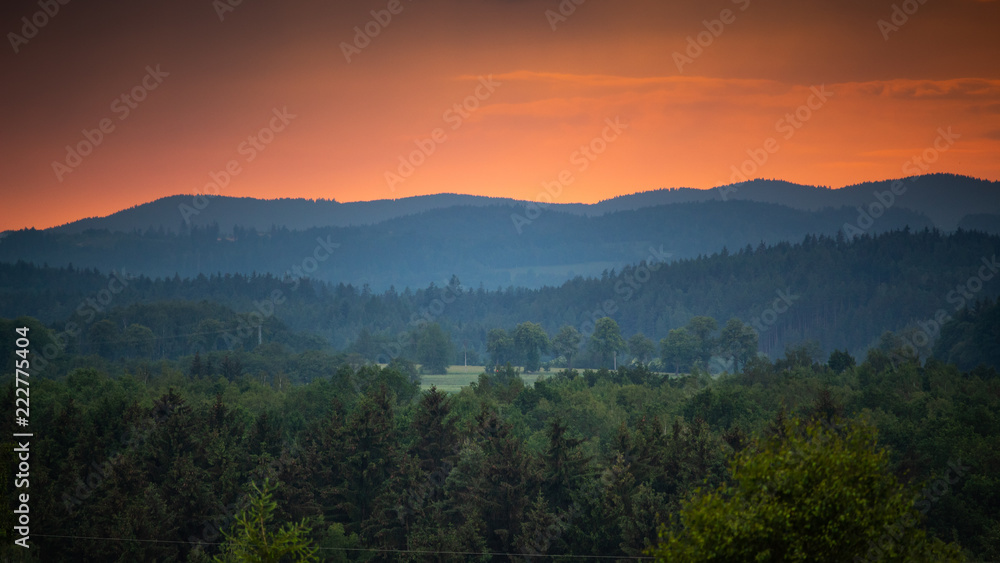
(360, 465)
(840, 293)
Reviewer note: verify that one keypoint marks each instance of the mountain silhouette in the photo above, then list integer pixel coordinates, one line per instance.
(945, 198)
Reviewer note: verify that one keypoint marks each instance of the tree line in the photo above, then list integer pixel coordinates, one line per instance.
(360, 464)
(839, 293)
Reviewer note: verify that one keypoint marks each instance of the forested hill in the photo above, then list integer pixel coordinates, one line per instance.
(494, 245)
(945, 198)
(180, 212)
(985, 222)
(842, 293)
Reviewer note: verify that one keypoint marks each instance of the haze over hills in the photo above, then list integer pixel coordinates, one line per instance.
(842, 294)
(946, 199)
(481, 245)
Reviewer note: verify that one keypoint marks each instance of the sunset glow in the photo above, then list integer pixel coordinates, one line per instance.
(486, 98)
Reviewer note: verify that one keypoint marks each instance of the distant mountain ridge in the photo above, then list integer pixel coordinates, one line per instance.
(481, 245)
(945, 198)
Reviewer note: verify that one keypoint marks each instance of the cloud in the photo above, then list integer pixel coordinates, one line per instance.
(951, 89)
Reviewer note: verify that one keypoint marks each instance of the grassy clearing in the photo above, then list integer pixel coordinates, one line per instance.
(460, 376)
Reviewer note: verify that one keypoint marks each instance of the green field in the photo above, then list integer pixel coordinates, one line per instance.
(460, 376)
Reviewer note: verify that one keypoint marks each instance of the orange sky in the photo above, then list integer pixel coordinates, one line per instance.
(552, 92)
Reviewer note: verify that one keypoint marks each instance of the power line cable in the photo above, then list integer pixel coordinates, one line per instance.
(381, 550)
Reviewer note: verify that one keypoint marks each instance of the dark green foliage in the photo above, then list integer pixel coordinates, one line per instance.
(231, 367)
(252, 540)
(840, 361)
(163, 443)
(434, 350)
(606, 342)
(809, 494)
(972, 337)
(679, 350)
(370, 445)
(103, 338)
(564, 466)
(406, 368)
(494, 481)
(436, 436)
(197, 368)
(703, 329)
(567, 343)
(641, 349)
(738, 342)
(500, 347)
(530, 341)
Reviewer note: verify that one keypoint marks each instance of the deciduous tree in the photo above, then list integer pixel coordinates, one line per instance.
(530, 341)
(567, 343)
(606, 341)
(809, 493)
